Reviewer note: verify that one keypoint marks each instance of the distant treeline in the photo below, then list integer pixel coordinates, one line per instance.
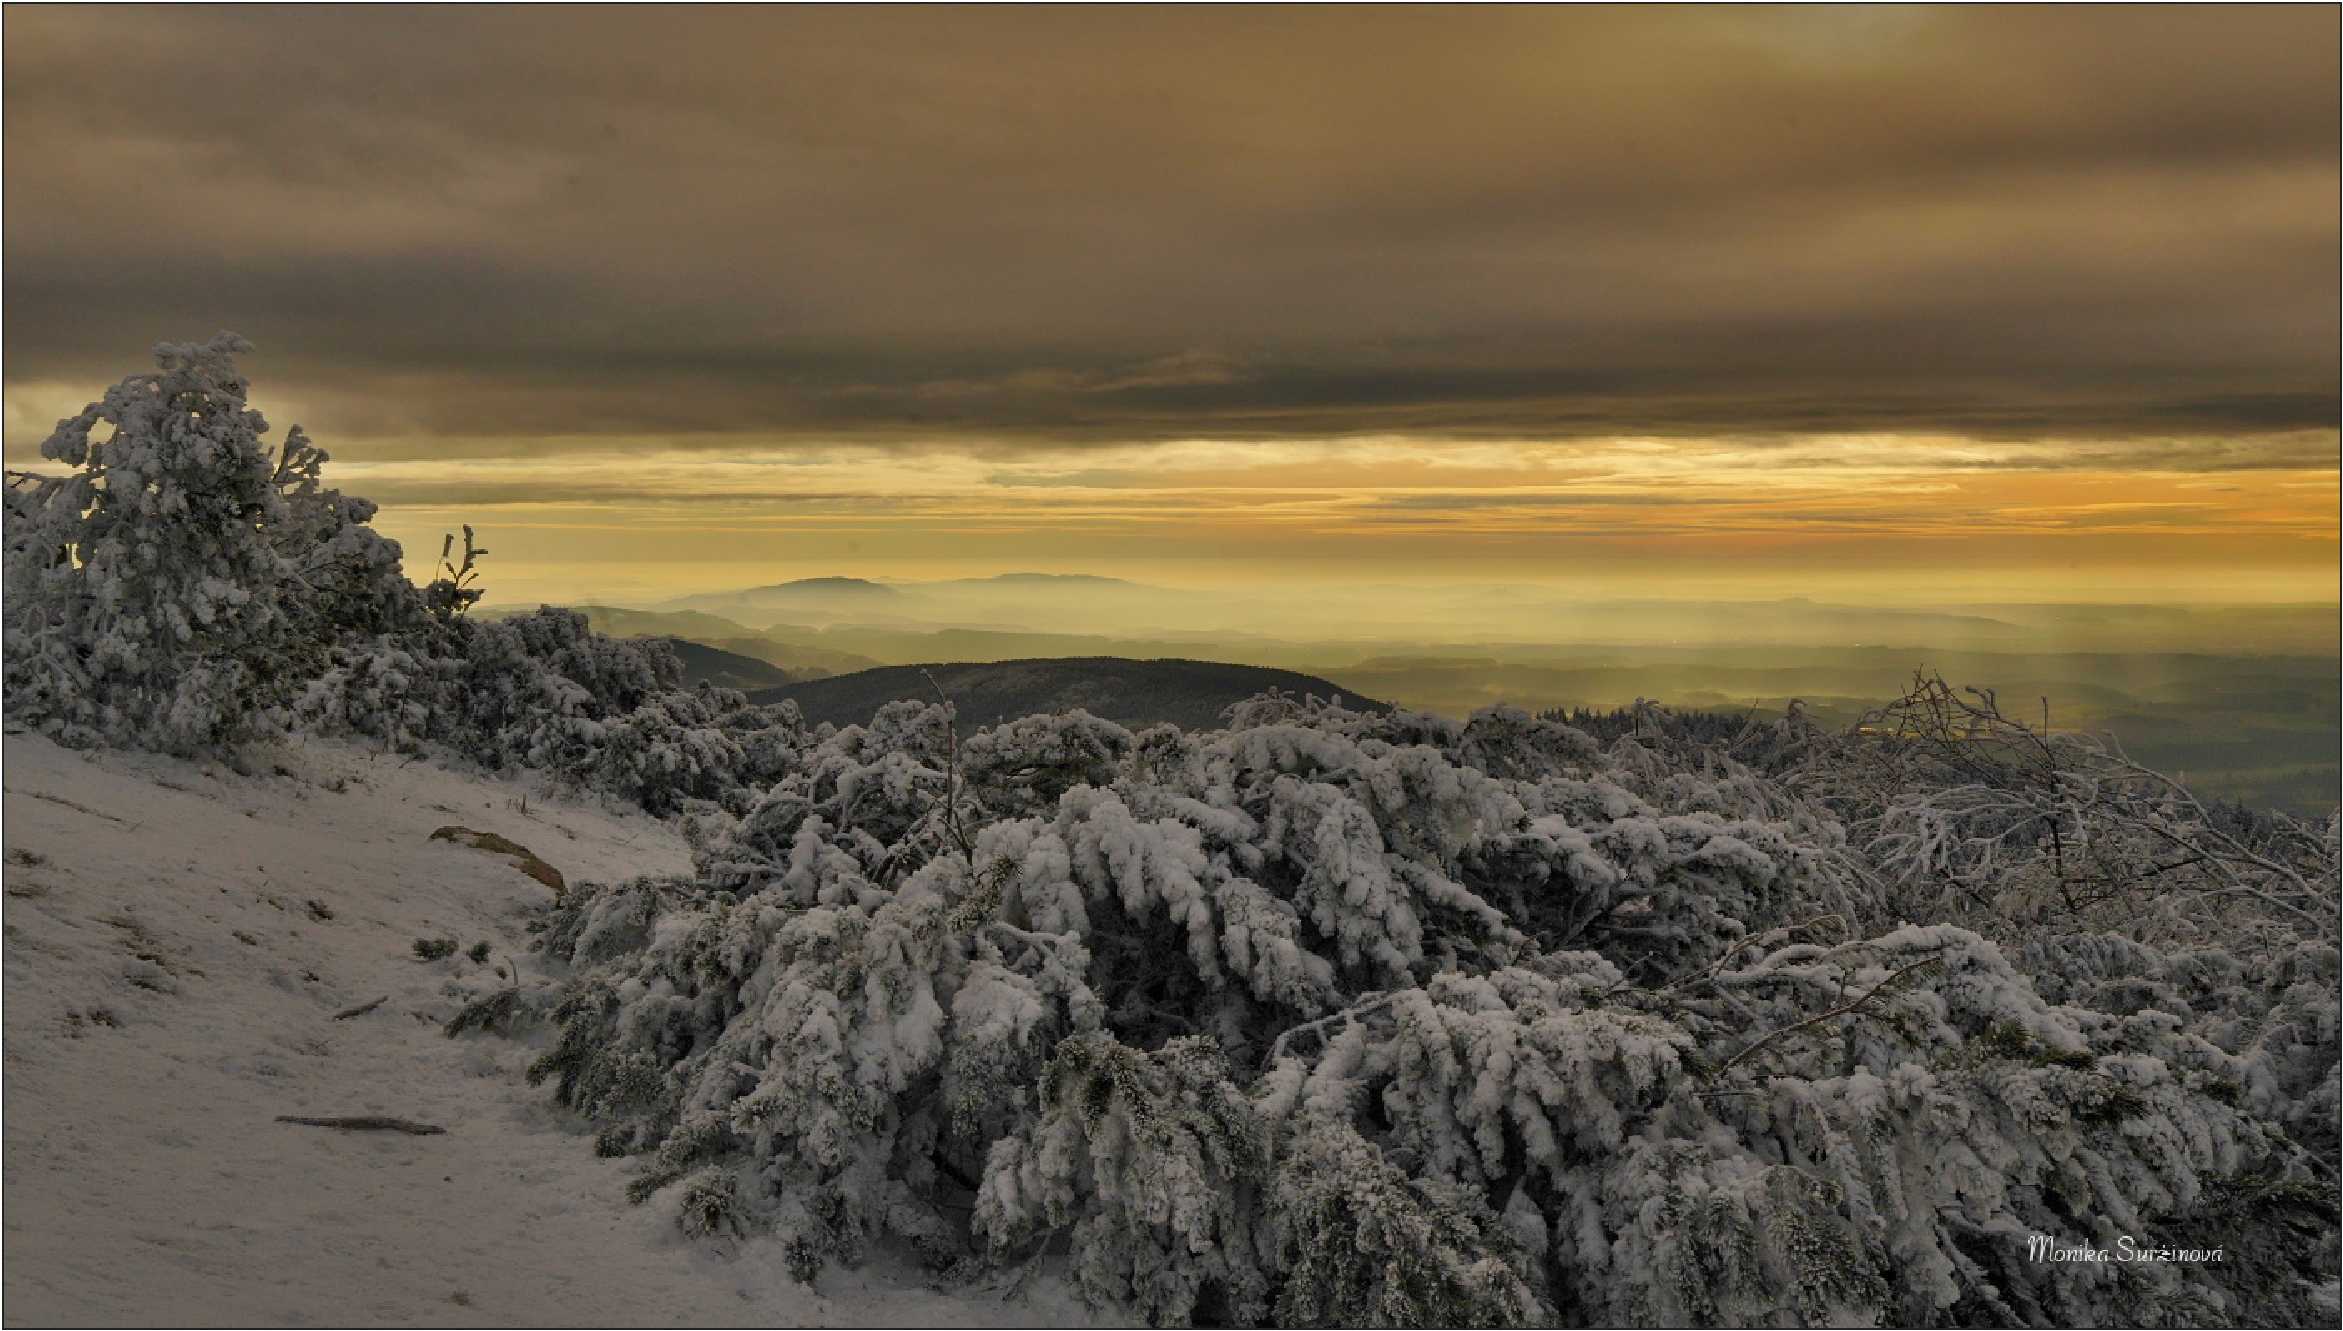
(1613, 723)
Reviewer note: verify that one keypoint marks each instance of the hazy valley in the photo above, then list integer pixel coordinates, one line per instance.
(2239, 698)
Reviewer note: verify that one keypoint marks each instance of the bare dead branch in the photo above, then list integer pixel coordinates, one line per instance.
(368, 1123)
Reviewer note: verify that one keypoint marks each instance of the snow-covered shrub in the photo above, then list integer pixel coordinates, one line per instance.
(1318, 1018)
(2271, 1022)
(543, 691)
(666, 752)
(1360, 1242)
(384, 686)
(172, 587)
(1154, 1162)
(346, 578)
(1028, 764)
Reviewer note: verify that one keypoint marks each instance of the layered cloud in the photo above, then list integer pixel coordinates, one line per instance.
(573, 255)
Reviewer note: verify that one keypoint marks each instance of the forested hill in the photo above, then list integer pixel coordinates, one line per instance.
(727, 669)
(1130, 693)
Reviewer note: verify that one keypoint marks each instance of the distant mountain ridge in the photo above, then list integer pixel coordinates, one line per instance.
(1128, 692)
(852, 586)
(1001, 600)
(1047, 580)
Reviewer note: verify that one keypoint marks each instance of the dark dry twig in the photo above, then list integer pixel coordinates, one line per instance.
(1839, 1011)
(368, 1123)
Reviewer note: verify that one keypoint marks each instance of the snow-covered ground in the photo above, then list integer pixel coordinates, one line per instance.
(179, 939)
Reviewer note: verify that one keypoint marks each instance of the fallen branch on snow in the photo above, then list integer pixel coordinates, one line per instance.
(368, 1123)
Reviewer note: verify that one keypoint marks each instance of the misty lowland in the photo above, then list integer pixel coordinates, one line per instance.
(2241, 701)
(1173, 665)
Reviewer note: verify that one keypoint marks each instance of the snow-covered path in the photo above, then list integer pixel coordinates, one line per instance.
(178, 940)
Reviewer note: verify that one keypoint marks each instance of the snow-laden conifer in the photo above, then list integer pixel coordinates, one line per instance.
(156, 586)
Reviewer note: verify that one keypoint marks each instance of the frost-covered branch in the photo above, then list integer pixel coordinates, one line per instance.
(1854, 1005)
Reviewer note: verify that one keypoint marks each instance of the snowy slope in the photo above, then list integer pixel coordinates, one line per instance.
(178, 940)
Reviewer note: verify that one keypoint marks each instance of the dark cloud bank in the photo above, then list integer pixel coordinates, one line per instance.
(1007, 226)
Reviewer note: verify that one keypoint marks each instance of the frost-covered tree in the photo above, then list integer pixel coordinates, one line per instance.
(181, 584)
(160, 587)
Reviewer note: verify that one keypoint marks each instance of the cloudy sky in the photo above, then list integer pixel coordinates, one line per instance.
(1989, 300)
